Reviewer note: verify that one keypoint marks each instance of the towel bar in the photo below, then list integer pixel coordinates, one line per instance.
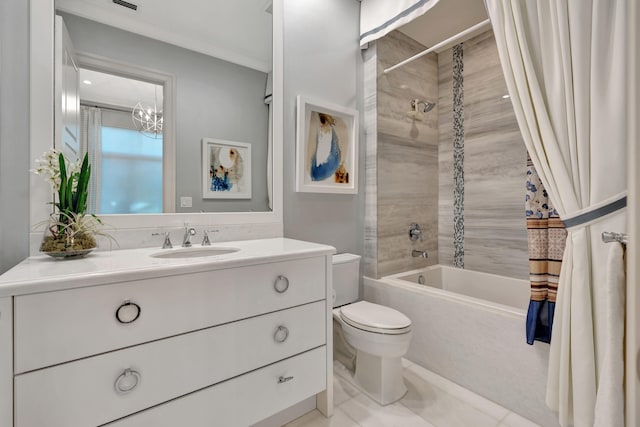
(609, 236)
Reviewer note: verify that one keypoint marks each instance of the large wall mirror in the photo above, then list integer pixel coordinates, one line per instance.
(178, 104)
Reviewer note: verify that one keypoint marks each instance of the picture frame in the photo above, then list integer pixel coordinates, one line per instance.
(326, 147)
(226, 169)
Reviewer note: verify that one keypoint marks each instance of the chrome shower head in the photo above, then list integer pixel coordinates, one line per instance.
(428, 106)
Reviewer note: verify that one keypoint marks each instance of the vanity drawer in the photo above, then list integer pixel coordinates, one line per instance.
(56, 327)
(85, 392)
(242, 401)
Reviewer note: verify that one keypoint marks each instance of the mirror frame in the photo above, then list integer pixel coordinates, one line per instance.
(41, 126)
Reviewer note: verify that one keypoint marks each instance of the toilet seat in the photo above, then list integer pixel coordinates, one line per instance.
(375, 318)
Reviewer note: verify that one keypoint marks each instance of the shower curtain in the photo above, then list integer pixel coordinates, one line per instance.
(565, 66)
(380, 17)
(546, 238)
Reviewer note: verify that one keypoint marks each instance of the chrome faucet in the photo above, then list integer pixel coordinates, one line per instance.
(167, 239)
(205, 239)
(419, 254)
(186, 240)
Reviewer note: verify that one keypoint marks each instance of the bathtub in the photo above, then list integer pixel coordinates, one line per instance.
(469, 327)
(487, 290)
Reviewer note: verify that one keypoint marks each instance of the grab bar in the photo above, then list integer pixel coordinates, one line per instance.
(610, 236)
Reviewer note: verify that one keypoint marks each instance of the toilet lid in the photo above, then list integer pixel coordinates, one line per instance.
(375, 318)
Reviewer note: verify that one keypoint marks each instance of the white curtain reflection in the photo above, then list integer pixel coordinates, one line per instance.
(268, 99)
(91, 143)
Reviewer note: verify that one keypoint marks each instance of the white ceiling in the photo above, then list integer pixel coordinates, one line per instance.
(117, 91)
(446, 19)
(238, 31)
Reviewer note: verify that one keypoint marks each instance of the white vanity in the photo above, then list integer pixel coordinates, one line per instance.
(124, 338)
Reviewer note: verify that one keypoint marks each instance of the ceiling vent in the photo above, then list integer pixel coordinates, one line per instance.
(126, 4)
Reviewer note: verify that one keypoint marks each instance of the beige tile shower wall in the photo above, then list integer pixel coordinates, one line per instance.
(370, 256)
(407, 156)
(495, 238)
(445, 157)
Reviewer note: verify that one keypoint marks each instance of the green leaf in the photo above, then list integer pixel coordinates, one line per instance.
(83, 184)
(62, 193)
(69, 194)
(63, 166)
(97, 219)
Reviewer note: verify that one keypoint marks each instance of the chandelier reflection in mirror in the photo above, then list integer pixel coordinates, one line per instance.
(148, 120)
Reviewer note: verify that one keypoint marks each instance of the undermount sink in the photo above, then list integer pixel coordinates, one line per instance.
(203, 251)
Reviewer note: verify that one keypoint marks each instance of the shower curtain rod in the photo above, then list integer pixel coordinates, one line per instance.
(106, 107)
(451, 39)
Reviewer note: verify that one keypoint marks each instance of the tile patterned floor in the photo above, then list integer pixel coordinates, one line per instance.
(432, 401)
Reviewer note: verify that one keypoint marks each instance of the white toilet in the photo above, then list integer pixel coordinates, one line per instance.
(369, 339)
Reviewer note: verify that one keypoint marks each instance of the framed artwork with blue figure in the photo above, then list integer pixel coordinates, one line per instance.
(326, 148)
(226, 169)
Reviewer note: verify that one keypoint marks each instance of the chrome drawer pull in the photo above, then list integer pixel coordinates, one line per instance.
(127, 381)
(281, 284)
(128, 312)
(284, 379)
(281, 334)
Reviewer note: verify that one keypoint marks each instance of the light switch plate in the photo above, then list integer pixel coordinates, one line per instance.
(186, 202)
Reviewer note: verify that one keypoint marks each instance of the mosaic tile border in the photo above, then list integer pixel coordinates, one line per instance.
(458, 156)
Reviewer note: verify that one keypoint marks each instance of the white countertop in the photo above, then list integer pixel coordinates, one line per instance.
(43, 273)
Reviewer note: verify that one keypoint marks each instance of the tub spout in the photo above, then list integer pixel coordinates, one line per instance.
(419, 254)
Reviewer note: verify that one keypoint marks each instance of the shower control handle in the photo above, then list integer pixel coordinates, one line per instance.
(415, 232)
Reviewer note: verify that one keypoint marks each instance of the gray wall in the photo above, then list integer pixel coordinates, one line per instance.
(215, 99)
(322, 60)
(495, 159)
(14, 132)
(407, 160)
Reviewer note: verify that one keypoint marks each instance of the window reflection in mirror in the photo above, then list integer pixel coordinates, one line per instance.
(131, 172)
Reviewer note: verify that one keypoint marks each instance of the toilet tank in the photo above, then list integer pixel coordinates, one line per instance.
(346, 278)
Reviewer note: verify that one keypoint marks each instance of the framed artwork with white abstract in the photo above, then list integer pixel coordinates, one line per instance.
(326, 148)
(226, 169)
